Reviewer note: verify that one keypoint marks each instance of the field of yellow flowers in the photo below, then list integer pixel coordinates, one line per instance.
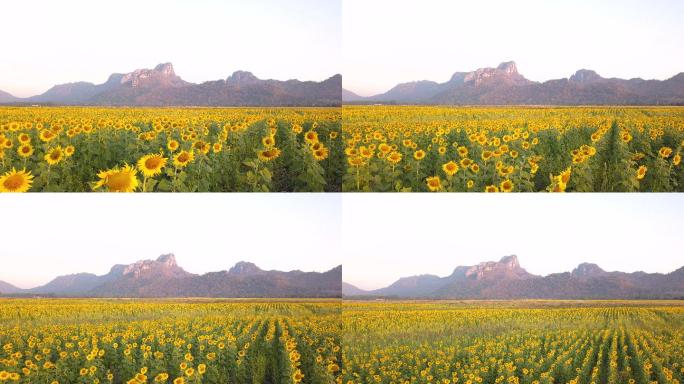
(511, 149)
(523, 342)
(76, 149)
(169, 341)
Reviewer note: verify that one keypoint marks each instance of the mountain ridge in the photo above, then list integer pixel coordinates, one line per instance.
(163, 277)
(506, 279)
(160, 86)
(504, 85)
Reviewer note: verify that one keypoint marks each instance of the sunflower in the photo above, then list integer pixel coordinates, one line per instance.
(202, 368)
(450, 168)
(470, 184)
(268, 154)
(296, 128)
(14, 181)
(152, 164)
(665, 152)
(356, 161)
(24, 138)
(46, 135)
(54, 155)
(394, 157)
(321, 154)
(183, 158)
(419, 154)
(491, 188)
(311, 137)
(217, 147)
(434, 183)
(268, 141)
(25, 150)
(565, 175)
(118, 179)
(486, 155)
(297, 376)
(677, 159)
(69, 150)
(172, 145)
(641, 172)
(506, 186)
(462, 151)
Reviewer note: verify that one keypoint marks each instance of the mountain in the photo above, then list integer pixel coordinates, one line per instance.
(506, 279)
(161, 86)
(164, 278)
(7, 288)
(7, 98)
(351, 290)
(351, 96)
(504, 85)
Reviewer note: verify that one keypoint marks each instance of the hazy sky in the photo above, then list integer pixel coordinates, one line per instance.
(386, 42)
(52, 42)
(388, 236)
(46, 235)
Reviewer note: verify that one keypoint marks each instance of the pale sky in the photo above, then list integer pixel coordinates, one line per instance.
(45, 235)
(48, 42)
(388, 236)
(386, 42)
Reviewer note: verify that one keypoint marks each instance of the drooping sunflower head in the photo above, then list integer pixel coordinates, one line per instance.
(152, 164)
(268, 154)
(16, 181)
(54, 155)
(183, 158)
(118, 179)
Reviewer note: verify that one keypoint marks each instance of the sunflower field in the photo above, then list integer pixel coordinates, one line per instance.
(523, 343)
(169, 341)
(513, 149)
(76, 149)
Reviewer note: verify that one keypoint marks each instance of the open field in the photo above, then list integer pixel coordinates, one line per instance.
(587, 149)
(76, 149)
(513, 342)
(169, 341)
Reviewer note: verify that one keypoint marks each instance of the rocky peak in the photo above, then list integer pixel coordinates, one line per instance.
(168, 260)
(585, 76)
(505, 72)
(165, 69)
(241, 78)
(510, 262)
(243, 268)
(588, 269)
(508, 67)
(161, 75)
(506, 268)
(165, 265)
